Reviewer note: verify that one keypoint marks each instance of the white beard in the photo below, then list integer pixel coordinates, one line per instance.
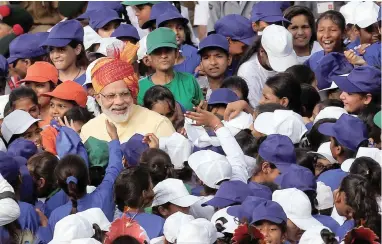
(116, 118)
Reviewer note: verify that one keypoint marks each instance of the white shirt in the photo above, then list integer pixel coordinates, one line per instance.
(201, 13)
(134, 22)
(316, 48)
(255, 75)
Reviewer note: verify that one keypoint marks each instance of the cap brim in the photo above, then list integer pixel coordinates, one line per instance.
(280, 64)
(211, 46)
(305, 224)
(83, 16)
(248, 41)
(324, 155)
(56, 42)
(218, 202)
(105, 21)
(269, 218)
(274, 19)
(327, 129)
(135, 3)
(344, 84)
(185, 201)
(148, 23)
(235, 211)
(283, 167)
(346, 165)
(11, 59)
(184, 20)
(159, 45)
(59, 95)
(25, 127)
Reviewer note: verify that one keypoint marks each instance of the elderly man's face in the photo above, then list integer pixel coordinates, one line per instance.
(115, 101)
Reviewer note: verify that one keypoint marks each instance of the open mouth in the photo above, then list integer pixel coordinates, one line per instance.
(119, 110)
(327, 44)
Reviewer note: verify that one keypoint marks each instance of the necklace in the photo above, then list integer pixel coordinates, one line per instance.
(79, 71)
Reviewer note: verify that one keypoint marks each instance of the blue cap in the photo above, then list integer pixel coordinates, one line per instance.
(126, 30)
(3, 66)
(214, 41)
(259, 190)
(42, 36)
(245, 209)
(100, 18)
(222, 96)
(157, 10)
(269, 12)
(65, 32)
(365, 79)
(229, 193)
(349, 131)
(22, 147)
(297, 177)
(330, 65)
(279, 150)
(25, 46)
(237, 27)
(9, 168)
(100, 5)
(332, 178)
(133, 149)
(170, 15)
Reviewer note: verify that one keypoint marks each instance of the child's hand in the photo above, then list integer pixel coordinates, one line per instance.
(234, 109)
(203, 117)
(362, 48)
(67, 124)
(151, 140)
(111, 130)
(43, 218)
(353, 58)
(203, 105)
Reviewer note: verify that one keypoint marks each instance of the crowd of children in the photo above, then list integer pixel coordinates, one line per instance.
(118, 125)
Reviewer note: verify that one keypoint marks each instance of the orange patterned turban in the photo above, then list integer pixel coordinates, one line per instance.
(118, 67)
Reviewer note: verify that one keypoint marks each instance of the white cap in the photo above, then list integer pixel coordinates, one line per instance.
(70, 228)
(225, 220)
(346, 165)
(96, 216)
(348, 11)
(297, 207)
(10, 210)
(332, 86)
(198, 231)
(283, 122)
(278, 43)
(173, 224)
(370, 152)
(88, 72)
(324, 151)
(16, 123)
(85, 241)
(210, 167)
(313, 236)
(178, 147)
(324, 196)
(173, 191)
(142, 50)
(109, 42)
(90, 37)
(239, 123)
(366, 14)
(330, 112)
(3, 102)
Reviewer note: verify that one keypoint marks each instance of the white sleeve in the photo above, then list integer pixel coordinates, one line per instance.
(234, 154)
(254, 83)
(201, 13)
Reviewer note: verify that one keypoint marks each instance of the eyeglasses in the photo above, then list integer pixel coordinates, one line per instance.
(112, 96)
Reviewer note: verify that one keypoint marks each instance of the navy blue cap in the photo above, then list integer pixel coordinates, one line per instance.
(126, 30)
(279, 150)
(259, 190)
(9, 168)
(22, 147)
(297, 177)
(25, 46)
(245, 209)
(364, 79)
(100, 18)
(170, 15)
(229, 193)
(222, 96)
(156, 10)
(349, 131)
(133, 149)
(101, 5)
(214, 40)
(3, 66)
(237, 27)
(42, 36)
(269, 12)
(65, 32)
(330, 65)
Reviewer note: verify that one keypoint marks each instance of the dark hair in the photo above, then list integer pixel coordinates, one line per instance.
(347, 152)
(129, 186)
(156, 94)
(284, 85)
(14, 231)
(296, 10)
(99, 234)
(309, 99)
(315, 138)
(210, 191)
(187, 33)
(305, 159)
(360, 196)
(282, 225)
(126, 239)
(334, 16)
(22, 92)
(367, 115)
(72, 166)
(42, 165)
(81, 60)
(328, 237)
(238, 83)
(158, 164)
(302, 73)
(96, 175)
(79, 114)
(184, 174)
(247, 142)
(251, 50)
(370, 169)
(331, 103)
(269, 107)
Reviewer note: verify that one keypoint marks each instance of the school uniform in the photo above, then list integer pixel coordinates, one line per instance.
(314, 60)
(80, 79)
(315, 48)
(345, 228)
(189, 64)
(28, 220)
(327, 221)
(55, 199)
(372, 55)
(354, 44)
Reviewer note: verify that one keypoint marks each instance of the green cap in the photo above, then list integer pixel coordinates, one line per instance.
(98, 152)
(135, 3)
(377, 119)
(161, 37)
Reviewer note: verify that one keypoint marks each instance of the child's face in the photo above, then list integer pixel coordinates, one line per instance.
(33, 135)
(178, 28)
(215, 62)
(329, 35)
(300, 30)
(354, 102)
(259, 26)
(108, 29)
(40, 88)
(268, 96)
(143, 13)
(27, 105)
(236, 47)
(59, 107)
(293, 232)
(64, 57)
(164, 108)
(370, 34)
(342, 207)
(271, 232)
(163, 59)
